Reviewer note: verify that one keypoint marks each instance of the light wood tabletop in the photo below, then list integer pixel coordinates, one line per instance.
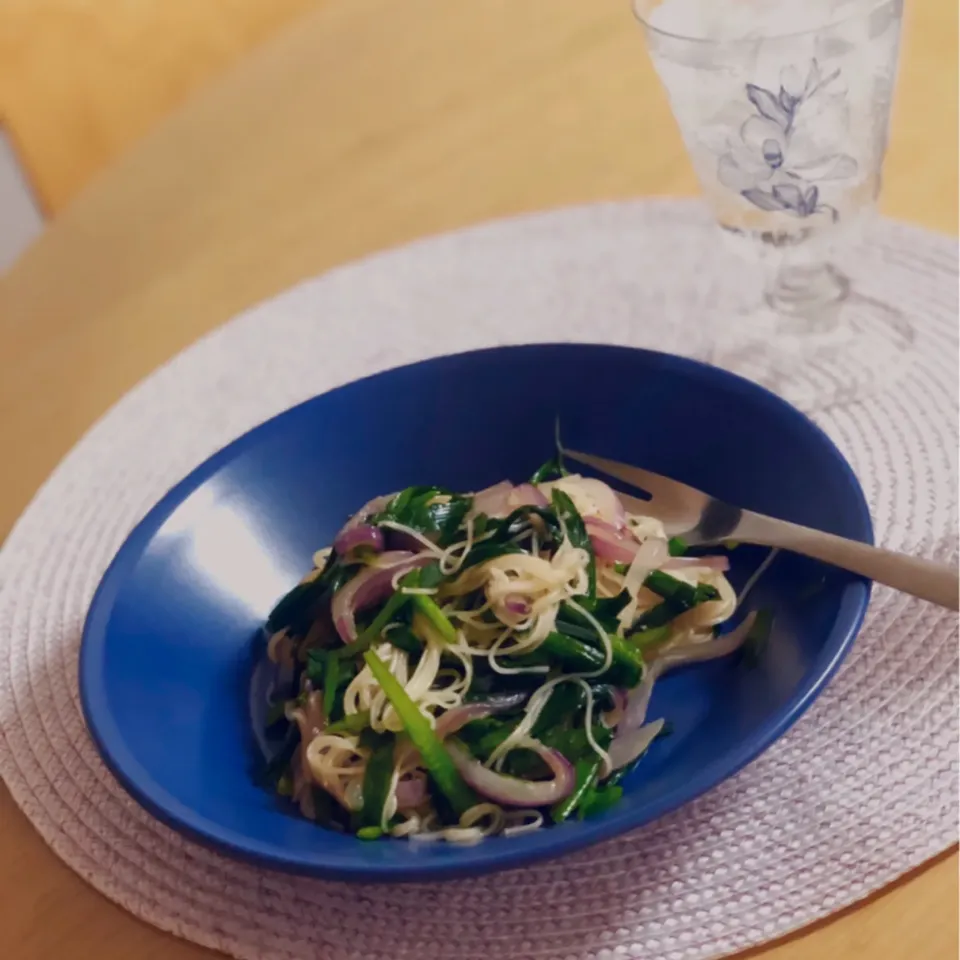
(80, 80)
(365, 124)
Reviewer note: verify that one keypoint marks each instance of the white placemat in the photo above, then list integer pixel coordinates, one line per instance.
(863, 789)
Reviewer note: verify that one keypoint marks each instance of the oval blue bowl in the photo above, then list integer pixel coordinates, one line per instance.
(173, 634)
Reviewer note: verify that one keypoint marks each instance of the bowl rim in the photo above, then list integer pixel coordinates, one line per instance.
(481, 858)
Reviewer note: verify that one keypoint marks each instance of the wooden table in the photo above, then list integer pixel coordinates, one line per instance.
(369, 123)
(80, 80)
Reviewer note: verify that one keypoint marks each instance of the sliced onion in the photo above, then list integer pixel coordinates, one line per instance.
(720, 563)
(608, 503)
(398, 540)
(371, 585)
(526, 495)
(708, 650)
(376, 505)
(652, 554)
(516, 604)
(609, 543)
(628, 746)
(362, 535)
(412, 790)
(593, 498)
(615, 714)
(494, 501)
(458, 717)
(512, 791)
(308, 718)
(302, 792)
(639, 699)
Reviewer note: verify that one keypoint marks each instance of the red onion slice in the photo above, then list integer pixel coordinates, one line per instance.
(516, 604)
(370, 586)
(412, 790)
(651, 555)
(512, 791)
(615, 714)
(626, 748)
(398, 540)
(609, 543)
(451, 721)
(607, 502)
(639, 698)
(359, 518)
(362, 535)
(526, 495)
(494, 501)
(376, 505)
(720, 564)
(708, 650)
(638, 701)
(308, 718)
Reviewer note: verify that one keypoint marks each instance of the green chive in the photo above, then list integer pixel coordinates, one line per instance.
(331, 680)
(586, 772)
(427, 607)
(376, 781)
(645, 639)
(599, 801)
(677, 546)
(435, 757)
(354, 723)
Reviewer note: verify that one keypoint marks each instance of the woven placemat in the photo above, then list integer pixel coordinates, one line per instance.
(863, 789)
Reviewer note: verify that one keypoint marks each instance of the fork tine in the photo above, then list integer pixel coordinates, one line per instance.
(652, 483)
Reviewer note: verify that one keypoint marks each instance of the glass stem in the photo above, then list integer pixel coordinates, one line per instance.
(809, 292)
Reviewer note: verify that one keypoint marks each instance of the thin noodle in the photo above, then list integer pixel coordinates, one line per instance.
(519, 822)
(757, 574)
(502, 608)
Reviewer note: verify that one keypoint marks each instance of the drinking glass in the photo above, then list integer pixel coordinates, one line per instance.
(784, 107)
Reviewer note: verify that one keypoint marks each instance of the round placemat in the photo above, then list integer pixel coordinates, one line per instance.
(864, 787)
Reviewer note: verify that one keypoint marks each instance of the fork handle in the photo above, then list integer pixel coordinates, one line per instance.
(937, 582)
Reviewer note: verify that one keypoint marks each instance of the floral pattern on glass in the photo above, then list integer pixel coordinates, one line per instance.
(780, 157)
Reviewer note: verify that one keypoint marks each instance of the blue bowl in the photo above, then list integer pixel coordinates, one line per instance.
(173, 636)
